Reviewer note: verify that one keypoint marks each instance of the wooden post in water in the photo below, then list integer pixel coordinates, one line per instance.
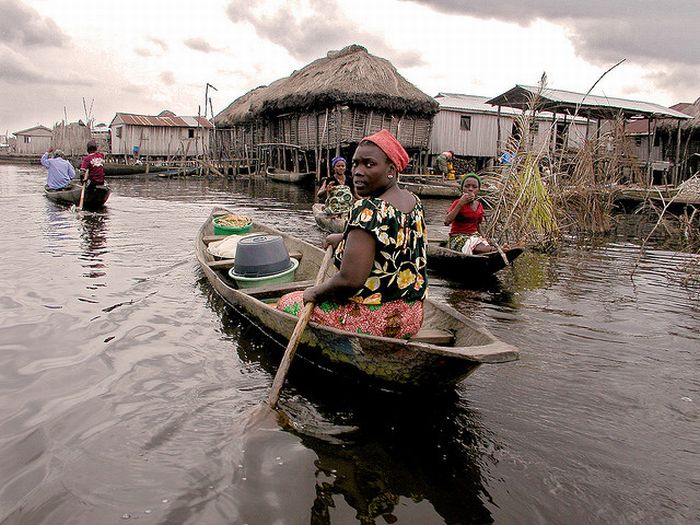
(677, 167)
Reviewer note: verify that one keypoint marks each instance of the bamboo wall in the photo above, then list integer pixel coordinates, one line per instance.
(328, 129)
(72, 138)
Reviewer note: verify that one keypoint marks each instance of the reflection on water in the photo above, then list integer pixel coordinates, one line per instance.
(128, 402)
(94, 242)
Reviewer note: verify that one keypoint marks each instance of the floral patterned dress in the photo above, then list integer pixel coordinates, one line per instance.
(390, 303)
(339, 200)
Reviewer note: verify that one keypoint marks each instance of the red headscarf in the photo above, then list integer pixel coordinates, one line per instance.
(391, 147)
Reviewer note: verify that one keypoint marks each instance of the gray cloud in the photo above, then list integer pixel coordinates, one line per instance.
(311, 36)
(142, 51)
(200, 44)
(602, 31)
(160, 43)
(15, 69)
(167, 77)
(20, 24)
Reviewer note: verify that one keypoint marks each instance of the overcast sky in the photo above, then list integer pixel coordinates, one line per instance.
(148, 55)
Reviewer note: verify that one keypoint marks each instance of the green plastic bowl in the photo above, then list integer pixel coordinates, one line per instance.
(286, 276)
(229, 230)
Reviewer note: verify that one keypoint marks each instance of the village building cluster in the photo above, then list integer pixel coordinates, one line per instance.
(323, 110)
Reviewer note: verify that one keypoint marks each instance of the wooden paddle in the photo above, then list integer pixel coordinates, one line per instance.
(281, 374)
(503, 254)
(82, 195)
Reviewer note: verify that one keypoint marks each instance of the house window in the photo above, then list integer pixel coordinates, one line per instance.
(190, 133)
(638, 140)
(27, 139)
(465, 122)
(118, 132)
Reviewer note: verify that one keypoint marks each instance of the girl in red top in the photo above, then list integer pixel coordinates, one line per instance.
(465, 215)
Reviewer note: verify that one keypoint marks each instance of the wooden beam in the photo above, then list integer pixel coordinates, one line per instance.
(225, 264)
(433, 336)
(277, 290)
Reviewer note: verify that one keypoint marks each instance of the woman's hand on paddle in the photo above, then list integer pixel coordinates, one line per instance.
(333, 240)
(309, 295)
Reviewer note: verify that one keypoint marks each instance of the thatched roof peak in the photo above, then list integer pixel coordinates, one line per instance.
(352, 48)
(689, 109)
(349, 76)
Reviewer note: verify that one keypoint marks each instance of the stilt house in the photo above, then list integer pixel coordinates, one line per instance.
(469, 127)
(658, 141)
(163, 136)
(33, 141)
(325, 109)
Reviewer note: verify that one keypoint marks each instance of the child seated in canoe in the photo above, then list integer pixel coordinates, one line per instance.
(381, 283)
(465, 217)
(339, 195)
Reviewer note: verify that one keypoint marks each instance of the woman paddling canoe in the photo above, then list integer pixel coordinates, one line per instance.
(381, 283)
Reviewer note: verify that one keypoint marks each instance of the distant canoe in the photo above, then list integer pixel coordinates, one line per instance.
(460, 267)
(330, 223)
(435, 190)
(94, 199)
(117, 169)
(291, 177)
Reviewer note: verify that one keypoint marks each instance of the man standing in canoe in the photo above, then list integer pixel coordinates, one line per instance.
(92, 167)
(61, 172)
(381, 283)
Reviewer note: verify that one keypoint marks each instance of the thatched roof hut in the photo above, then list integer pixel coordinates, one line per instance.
(330, 104)
(243, 109)
(350, 76)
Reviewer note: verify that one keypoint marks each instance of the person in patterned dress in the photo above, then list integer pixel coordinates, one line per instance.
(381, 283)
(338, 193)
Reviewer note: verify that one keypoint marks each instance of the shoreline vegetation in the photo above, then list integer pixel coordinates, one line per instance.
(538, 199)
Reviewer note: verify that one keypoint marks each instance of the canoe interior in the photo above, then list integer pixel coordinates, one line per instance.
(390, 363)
(93, 199)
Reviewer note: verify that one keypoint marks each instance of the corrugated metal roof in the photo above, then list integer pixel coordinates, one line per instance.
(478, 104)
(473, 103)
(33, 128)
(158, 121)
(559, 100)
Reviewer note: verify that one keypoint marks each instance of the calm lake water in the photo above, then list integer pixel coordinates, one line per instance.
(126, 383)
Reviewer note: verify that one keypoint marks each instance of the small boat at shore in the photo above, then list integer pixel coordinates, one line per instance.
(93, 199)
(461, 267)
(434, 190)
(292, 177)
(333, 223)
(118, 169)
(448, 347)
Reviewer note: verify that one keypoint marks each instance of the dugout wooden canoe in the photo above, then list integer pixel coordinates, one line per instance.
(94, 198)
(292, 177)
(433, 190)
(448, 348)
(330, 223)
(461, 267)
